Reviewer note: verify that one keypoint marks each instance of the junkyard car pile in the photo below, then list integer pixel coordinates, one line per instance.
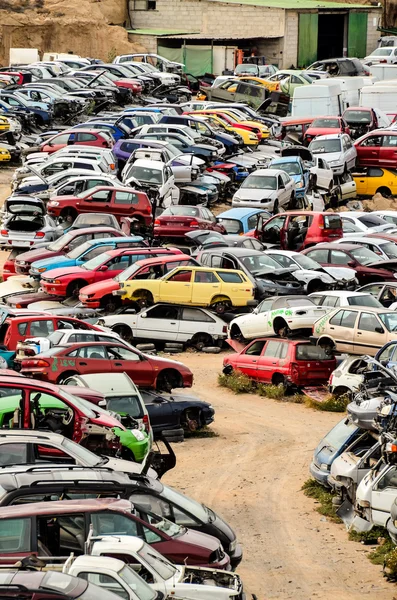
(116, 252)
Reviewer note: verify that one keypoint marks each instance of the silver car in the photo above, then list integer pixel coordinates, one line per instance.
(270, 189)
(26, 224)
(337, 149)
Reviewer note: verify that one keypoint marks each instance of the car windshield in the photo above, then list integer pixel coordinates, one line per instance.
(128, 273)
(332, 123)
(125, 405)
(306, 262)
(307, 78)
(157, 562)
(60, 242)
(389, 320)
(371, 220)
(382, 52)
(92, 264)
(146, 174)
(364, 256)
(185, 503)
(292, 168)
(325, 146)
(164, 525)
(364, 300)
(390, 249)
(231, 225)
(246, 68)
(259, 262)
(184, 211)
(311, 352)
(142, 590)
(339, 434)
(79, 250)
(260, 182)
(357, 116)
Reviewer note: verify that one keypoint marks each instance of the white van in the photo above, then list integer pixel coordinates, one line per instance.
(350, 87)
(383, 72)
(383, 97)
(317, 100)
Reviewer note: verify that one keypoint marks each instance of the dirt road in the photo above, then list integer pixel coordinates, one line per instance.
(252, 474)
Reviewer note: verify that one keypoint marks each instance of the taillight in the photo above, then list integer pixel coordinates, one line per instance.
(148, 210)
(40, 234)
(36, 363)
(224, 329)
(112, 166)
(331, 377)
(321, 222)
(146, 423)
(193, 224)
(157, 222)
(4, 232)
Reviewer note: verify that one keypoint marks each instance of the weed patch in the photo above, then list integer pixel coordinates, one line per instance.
(277, 392)
(204, 432)
(331, 404)
(314, 490)
(237, 382)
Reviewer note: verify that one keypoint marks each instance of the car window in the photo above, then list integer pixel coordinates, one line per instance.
(372, 141)
(96, 252)
(106, 582)
(94, 352)
(346, 318)
(101, 196)
(368, 322)
(76, 338)
(265, 306)
(120, 353)
(272, 349)
(205, 277)
(336, 319)
(390, 141)
(331, 301)
(22, 327)
(196, 314)
(180, 275)
(59, 139)
(373, 289)
(162, 312)
(256, 348)
(389, 480)
(41, 328)
(15, 535)
(108, 523)
(374, 172)
(13, 454)
(119, 263)
(86, 137)
(230, 277)
(251, 222)
(321, 256)
(127, 198)
(338, 257)
(64, 324)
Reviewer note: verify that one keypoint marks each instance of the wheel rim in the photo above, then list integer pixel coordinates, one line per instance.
(192, 423)
(202, 340)
(124, 332)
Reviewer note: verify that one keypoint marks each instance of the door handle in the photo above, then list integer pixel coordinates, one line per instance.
(254, 361)
(118, 364)
(82, 363)
(359, 333)
(187, 284)
(332, 327)
(173, 323)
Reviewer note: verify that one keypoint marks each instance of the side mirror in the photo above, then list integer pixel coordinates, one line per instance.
(88, 199)
(351, 263)
(103, 268)
(144, 316)
(379, 330)
(255, 311)
(102, 403)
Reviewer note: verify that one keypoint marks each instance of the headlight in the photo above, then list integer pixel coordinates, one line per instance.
(253, 137)
(395, 275)
(21, 262)
(299, 184)
(324, 467)
(233, 546)
(138, 435)
(53, 203)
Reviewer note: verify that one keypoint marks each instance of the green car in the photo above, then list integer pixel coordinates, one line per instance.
(60, 417)
(290, 79)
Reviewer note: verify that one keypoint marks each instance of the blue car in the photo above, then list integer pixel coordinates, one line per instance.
(80, 254)
(295, 168)
(118, 131)
(331, 446)
(241, 220)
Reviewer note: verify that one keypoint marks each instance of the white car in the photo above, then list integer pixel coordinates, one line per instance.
(58, 165)
(311, 273)
(374, 498)
(43, 188)
(147, 68)
(324, 174)
(333, 299)
(276, 316)
(171, 323)
(390, 216)
(386, 55)
(383, 248)
(337, 149)
(354, 222)
(153, 174)
(270, 189)
(348, 376)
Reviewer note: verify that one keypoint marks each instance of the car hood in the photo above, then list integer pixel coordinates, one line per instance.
(345, 465)
(63, 271)
(308, 275)
(389, 265)
(255, 194)
(340, 272)
(53, 262)
(37, 255)
(25, 206)
(330, 156)
(313, 131)
(199, 539)
(301, 151)
(106, 286)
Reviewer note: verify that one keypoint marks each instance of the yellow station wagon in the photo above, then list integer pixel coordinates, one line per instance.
(219, 289)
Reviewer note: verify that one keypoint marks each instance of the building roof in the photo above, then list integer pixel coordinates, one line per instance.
(296, 4)
(160, 32)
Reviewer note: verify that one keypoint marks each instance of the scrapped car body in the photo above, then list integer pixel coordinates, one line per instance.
(26, 224)
(269, 189)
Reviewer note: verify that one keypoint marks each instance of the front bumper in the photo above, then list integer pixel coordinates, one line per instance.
(53, 289)
(236, 557)
(318, 474)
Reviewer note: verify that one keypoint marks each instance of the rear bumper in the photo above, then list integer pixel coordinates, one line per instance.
(174, 232)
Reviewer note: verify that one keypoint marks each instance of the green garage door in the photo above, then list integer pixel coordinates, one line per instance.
(308, 39)
(357, 35)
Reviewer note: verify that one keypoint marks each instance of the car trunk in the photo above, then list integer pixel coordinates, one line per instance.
(311, 365)
(25, 224)
(177, 221)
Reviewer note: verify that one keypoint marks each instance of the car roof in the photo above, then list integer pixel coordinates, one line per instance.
(378, 311)
(282, 252)
(30, 434)
(373, 240)
(330, 136)
(272, 172)
(235, 251)
(238, 213)
(99, 229)
(29, 381)
(331, 246)
(162, 258)
(64, 507)
(341, 293)
(64, 474)
(109, 382)
(286, 159)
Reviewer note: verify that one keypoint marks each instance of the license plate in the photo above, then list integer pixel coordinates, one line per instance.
(22, 243)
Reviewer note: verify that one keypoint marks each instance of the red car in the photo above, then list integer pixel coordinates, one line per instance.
(18, 325)
(296, 230)
(325, 126)
(9, 263)
(63, 526)
(377, 149)
(62, 245)
(366, 263)
(100, 295)
(146, 371)
(119, 201)
(362, 119)
(82, 137)
(175, 221)
(68, 281)
(291, 362)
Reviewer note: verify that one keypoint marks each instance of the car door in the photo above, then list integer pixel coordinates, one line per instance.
(89, 359)
(347, 186)
(206, 285)
(388, 151)
(350, 151)
(341, 328)
(289, 185)
(96, 202)
(282, 193)
(160, 322)
(257, 323)
(384, 492)
(368, 151)
(177, 287)
(370, 334)
(248, 359)
(162, 412)
(58, 142)
(124, 360)
(195, 321)
(269, 361)
(273, 230)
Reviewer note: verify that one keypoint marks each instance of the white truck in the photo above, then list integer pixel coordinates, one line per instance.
(23, 56)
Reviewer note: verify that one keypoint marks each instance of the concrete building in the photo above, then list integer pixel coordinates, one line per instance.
(206, 33)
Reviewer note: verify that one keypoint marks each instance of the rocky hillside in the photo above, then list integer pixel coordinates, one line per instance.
(85, 27)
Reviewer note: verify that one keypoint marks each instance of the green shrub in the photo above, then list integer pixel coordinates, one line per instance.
(314, 490)
(331, 404)
(238, 382)
(389, 561)
(277, 392)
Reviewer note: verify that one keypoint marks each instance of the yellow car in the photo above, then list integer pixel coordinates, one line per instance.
(272, 86)
(249, 138)
(233, 114)
(371, 180)
(219, 289)
(5, 156)
(4, 123)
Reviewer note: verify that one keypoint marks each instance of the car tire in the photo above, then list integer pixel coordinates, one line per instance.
(144, 347)
(173, 435)
(168, 379)
(173, 346)
(201, 340)
(73, 289)
(69, 214)
(276, 209)
(384, 191)
(65, 376)
(125, 332)
(190, 420)
(110, 303)
(211, 349)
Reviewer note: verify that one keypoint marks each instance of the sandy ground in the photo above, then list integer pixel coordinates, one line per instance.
(252, 474)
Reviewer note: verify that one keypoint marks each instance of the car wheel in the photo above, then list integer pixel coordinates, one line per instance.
(110, 303)
(384, 191)
(221, 307)
(275, 207)
(316, 286)
(124, 331)
(73, 289)
(281, 328)
(190, 420)
(235, 334)
(342, 390)
(167, 380)
(278, 379)
(201, 340)
(65, 376)
(69, 215)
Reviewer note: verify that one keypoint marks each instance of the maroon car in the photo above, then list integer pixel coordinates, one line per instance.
(325, 126)
(178, 220)
(60, 527)
(62, 245)
(366, 263)
(61, 362)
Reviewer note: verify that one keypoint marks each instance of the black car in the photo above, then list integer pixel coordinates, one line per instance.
(210, 239)
(204, 152)
(150, 497)
(268, 276)
(336, 67)
(173, 411)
